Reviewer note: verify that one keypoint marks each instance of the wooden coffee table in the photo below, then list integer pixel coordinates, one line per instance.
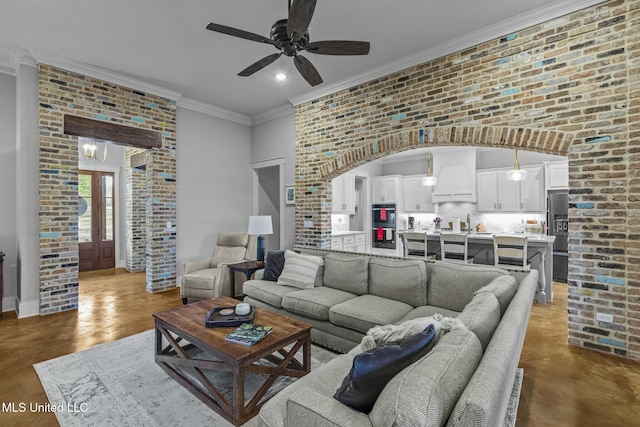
(183, 328)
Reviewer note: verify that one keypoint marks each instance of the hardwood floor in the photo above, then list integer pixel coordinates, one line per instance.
(113, 305)
(563, 385)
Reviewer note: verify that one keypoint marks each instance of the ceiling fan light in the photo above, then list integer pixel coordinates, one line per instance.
(281, 77)
(429, 181)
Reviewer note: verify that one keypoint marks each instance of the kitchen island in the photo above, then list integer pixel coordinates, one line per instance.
(539, 254)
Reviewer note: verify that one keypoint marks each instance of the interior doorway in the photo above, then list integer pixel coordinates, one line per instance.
(96, 220)
(268, 199)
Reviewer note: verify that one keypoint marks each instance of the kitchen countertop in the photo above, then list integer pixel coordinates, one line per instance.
(531, 237)
(346, 233)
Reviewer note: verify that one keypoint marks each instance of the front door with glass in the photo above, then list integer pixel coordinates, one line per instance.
(96, 242)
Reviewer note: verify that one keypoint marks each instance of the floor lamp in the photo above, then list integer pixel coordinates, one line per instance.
(260, 225)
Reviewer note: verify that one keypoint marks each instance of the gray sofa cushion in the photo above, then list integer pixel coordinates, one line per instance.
(427, 311)
(452, 285)
(267, 291)
(347, 272)
(482, 316)
(324, 380)
(425, 393)
(315, 302)
(401, 280)
(484, 401)
(504, 288)
(366, 311)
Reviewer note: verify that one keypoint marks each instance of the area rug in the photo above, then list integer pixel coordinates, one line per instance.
(120, 384)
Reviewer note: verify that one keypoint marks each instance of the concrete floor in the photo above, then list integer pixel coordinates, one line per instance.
(563, 385)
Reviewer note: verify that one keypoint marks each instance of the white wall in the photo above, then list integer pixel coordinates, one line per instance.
(27, 200)
(8, 235)
(213, 182)
(277, 139)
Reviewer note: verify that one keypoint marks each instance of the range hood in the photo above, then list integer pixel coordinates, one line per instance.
(456, 172)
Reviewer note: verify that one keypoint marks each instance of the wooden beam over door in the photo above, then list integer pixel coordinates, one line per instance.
(123, 135)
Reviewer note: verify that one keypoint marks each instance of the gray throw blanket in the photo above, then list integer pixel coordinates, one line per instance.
(389, 333)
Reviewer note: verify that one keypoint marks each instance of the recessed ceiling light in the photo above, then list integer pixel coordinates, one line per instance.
(281, 77)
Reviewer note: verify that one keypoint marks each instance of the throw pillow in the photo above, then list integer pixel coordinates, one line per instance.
(299, 270)
(373, 369)
(273, 266)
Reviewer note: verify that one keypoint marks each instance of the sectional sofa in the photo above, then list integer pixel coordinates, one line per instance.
(466, 379)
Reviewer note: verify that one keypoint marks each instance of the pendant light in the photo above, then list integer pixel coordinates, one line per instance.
(91, 150)
(429, 180)
(516, 174)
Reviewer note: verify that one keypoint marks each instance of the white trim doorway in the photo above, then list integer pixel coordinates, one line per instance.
(120, 203)
(256, 169)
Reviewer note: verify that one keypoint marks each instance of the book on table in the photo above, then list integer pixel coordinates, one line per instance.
(248, 334)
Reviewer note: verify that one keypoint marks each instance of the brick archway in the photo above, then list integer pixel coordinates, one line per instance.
(532, 139)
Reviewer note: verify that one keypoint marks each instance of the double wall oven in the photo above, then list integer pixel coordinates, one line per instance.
(383, 221)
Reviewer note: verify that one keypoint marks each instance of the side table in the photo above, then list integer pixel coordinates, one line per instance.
(246, 267)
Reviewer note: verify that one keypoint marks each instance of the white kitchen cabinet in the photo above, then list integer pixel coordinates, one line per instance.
(532, 193)
(558, 175)
(497, 194)
(416, 197)
(487, 182)
(344, 194)
(359, 243)
(508, 194)
(352, 242)
(385, 189)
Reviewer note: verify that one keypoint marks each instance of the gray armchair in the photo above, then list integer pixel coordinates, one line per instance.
(205, 278)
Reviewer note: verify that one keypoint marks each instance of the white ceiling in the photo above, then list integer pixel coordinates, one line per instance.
(165, 43)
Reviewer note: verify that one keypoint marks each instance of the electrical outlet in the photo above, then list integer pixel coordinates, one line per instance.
(604, 317)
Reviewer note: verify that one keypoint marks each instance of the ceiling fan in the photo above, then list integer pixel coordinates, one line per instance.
(291, 36)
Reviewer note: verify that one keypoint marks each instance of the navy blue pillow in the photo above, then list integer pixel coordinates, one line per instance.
(273, 266)
(373, 369)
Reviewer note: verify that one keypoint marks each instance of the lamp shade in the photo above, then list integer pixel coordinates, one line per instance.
(260, 225)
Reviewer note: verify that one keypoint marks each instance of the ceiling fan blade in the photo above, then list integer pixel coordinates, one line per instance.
(259, 65)
(338, 47)
(239, 33)
(300, 16)
(307, 70)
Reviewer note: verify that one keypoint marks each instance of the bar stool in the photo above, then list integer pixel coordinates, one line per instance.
(455, 247)
(510, 252)
(415, 245)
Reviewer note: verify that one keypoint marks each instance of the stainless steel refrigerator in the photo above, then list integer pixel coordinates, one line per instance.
(558, 225)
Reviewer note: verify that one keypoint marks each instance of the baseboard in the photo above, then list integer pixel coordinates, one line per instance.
(27, 308)
(8, 304)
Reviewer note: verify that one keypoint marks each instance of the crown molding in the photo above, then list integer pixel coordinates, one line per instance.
(6, 67)
(508, 26)
(43, 57)
(6, 64)
(272, 114)
(122, 80)
(212, 110)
